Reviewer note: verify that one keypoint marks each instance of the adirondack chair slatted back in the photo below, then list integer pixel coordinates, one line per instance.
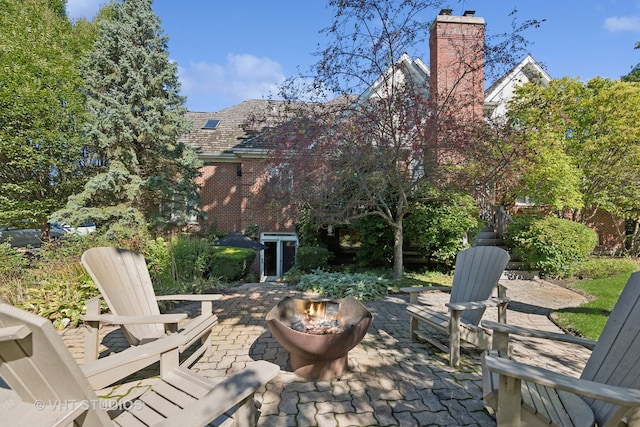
(39, 367)
(476, 275)
(124, 281)
(615, 360)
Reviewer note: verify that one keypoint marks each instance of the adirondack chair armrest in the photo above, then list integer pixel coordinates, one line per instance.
(206, 300)
(476, 305)
(415, 291)
(13, 333)
(410, 290)
(111, 319)
(227, 393)
(194, 297)
(502, 331)
(604, 392)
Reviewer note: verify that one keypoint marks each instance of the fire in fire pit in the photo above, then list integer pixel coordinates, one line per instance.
(318, 334)
(319, 318)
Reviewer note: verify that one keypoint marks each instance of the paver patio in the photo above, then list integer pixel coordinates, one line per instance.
(391, 380)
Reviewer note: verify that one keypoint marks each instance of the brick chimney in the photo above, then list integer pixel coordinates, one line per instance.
(456, 45)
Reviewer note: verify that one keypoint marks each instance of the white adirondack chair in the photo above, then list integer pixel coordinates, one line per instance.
(48, 388)
(607, 392)
(125, 284)
(475, 278)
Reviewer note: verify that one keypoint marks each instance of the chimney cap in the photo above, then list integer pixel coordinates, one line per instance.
(469, 13)
(445, 12)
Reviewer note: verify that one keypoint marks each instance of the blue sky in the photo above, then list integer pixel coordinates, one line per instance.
(228, 52)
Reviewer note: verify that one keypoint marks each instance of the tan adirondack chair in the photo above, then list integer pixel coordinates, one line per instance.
(125, 284)
(607, 392)
(475, 278)
(48, 388)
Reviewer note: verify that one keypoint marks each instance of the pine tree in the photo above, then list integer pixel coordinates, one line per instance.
(143, 175)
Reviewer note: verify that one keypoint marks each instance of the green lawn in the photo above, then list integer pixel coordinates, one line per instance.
(588, 320)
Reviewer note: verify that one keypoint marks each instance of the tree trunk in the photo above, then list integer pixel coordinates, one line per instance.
(397, 250)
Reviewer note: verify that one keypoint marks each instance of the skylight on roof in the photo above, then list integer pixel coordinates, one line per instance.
(211, 124)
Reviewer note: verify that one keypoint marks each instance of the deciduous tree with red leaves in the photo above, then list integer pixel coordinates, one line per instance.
(376, 152)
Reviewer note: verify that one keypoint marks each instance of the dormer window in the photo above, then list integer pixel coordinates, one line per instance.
(211, 124)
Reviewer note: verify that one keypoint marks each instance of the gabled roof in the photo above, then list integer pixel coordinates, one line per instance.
(502, 91)
(413, 70)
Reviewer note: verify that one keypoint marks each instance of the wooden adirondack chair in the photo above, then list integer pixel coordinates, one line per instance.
(475, 277)
(607, 392)
(125, 284)
(48, 388)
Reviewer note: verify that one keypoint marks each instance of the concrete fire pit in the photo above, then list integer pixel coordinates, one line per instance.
(318, 334)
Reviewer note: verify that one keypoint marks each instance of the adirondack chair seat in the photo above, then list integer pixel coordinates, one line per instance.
(607, 392)
(106, 371)
(469, 332)
(125, 285)
(555, 404)
(475, 278)
(49, 388)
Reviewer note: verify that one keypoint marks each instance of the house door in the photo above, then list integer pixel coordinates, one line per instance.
(279, 254)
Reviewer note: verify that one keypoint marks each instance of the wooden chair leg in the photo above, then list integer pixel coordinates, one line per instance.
(454, 337)
(91, 341)
(413, 326)
(509, 401)
(246, 414)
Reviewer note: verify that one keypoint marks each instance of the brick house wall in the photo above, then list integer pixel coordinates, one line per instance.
(221, 196)
(233, 199)
(611, 232)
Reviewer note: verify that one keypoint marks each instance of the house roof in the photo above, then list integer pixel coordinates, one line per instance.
(413, 70)
(237, 132)
(237, 124)
(501, 91)
(240, 126)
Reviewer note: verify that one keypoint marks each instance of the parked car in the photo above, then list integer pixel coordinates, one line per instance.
(24, 234)
(83, 229)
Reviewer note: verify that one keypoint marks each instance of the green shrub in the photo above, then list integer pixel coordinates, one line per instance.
(229, 264)
(376, 241)
(438, 227)
(292, 276)
(13, 264)
(59, 300)
(555, 246)
(312, 257)
(602, 268)
(362, 286)
(180, 265)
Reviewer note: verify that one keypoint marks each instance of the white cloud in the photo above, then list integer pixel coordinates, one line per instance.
(623, 23)
(208, 86)
(84, 8)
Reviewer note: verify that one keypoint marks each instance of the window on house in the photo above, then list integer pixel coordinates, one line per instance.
(524, 201)
(281, 176)
(211, 124)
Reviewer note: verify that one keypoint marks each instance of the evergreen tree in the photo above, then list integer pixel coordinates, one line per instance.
(143, 174)
(41, 108)
(634, 74)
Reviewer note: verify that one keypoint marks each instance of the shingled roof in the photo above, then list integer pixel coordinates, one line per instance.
(239, 127)
(235, 126)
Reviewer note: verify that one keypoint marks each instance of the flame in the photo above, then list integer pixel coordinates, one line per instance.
(316, 309)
